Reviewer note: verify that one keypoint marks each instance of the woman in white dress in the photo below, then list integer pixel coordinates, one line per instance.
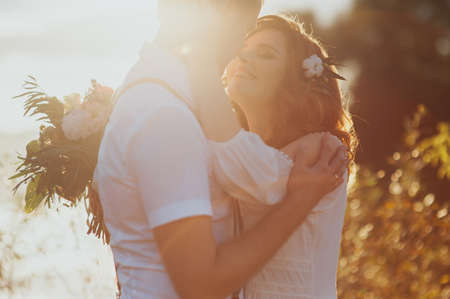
(285, 88)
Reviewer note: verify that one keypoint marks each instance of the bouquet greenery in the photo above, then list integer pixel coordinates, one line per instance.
(60, 164)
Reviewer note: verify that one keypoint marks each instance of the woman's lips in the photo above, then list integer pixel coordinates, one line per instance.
(244, 73)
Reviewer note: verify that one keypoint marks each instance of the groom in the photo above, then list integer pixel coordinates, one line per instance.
(167, 236)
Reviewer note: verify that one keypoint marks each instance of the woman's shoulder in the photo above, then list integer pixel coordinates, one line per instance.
(247, 168)
(309, 145)
(252, 146)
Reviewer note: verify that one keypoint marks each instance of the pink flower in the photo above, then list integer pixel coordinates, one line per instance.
(103, 93)
(72, 101)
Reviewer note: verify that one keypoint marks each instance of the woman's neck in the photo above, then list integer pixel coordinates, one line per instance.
(262, 121)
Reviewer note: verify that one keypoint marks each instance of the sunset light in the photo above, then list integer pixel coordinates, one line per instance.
(300, 153)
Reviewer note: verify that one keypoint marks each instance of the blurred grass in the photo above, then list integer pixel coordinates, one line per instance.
(46, 254)
(396, 234)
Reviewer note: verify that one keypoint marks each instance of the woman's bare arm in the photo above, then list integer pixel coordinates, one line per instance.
(199, 268)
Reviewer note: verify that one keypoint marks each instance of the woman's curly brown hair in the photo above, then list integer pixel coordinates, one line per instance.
(308, 104)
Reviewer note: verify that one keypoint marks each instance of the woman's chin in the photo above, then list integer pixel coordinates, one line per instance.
(237, 89)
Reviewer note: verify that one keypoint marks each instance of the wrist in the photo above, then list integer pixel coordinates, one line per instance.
(301, 199)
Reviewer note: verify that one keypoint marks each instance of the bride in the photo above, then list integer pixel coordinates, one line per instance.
(285, 88)
(163, 185)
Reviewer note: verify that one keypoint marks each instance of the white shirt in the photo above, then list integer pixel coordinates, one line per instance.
(153, 168)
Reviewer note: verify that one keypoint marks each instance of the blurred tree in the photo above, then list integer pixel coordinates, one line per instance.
(402, 49)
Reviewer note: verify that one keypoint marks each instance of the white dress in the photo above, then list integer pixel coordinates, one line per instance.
(257, 175)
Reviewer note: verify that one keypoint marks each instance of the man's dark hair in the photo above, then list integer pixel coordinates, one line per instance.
(177, 17)
(168, 7)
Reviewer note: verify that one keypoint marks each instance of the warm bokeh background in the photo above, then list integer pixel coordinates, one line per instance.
(396, 55)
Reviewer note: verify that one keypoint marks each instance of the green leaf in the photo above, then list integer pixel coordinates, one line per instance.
(32, 197)
(21, 173)
(33, 147)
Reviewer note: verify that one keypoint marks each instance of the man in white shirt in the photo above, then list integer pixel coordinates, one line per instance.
(152, 170)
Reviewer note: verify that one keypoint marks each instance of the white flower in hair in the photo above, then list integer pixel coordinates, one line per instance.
(313, 66)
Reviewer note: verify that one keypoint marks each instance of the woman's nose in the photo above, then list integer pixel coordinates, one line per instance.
(244, 56)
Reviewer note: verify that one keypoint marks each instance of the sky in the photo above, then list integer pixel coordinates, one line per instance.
(65, 44)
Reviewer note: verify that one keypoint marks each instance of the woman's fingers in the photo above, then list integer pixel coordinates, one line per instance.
(339, 163)
(297, 156)
(326, 174)
(326, 151)
(334, 183)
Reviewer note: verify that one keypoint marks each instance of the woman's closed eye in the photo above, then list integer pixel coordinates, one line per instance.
(265, 53)
(261, 51)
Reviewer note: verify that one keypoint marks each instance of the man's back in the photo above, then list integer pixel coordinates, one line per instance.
(152, 169)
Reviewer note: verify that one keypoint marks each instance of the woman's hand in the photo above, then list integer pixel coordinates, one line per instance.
(311, 179)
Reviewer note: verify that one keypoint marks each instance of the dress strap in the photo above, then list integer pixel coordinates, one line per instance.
(238, 227)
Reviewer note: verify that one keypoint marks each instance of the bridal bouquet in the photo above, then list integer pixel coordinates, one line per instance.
(59, 165)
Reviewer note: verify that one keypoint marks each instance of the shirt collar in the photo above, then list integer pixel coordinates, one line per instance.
(156, 62)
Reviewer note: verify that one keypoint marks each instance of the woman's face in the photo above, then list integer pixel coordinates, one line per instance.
(257, 74)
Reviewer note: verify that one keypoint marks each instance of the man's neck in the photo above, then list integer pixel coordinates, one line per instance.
(215, 111)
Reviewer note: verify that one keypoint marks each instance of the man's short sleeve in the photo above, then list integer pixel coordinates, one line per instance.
(168, 157)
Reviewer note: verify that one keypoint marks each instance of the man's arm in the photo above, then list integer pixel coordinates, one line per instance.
(198, 267)
(201, 269)
(168, 158)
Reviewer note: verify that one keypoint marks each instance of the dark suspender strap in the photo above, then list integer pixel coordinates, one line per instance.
(237, 218)
(172, 91)
(157, 82)
(237, 229)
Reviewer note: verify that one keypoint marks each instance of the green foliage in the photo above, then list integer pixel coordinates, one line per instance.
(396, 235)
(39, 103)
(33, 196)
(436, 150)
